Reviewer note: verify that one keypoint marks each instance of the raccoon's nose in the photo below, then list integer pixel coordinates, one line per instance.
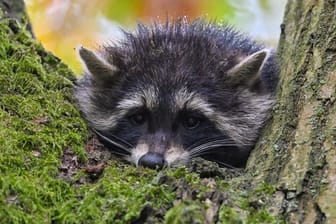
(152, 160)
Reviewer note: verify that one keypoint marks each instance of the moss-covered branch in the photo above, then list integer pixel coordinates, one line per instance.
(15, 9)
(50, 174)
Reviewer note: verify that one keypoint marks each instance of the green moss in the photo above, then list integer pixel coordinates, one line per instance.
(264, 188)
(251, 206)
(186, 212)
(32, 89)
(228, 215)
(114, 198)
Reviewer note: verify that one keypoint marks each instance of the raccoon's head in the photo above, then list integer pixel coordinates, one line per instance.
(177, 91)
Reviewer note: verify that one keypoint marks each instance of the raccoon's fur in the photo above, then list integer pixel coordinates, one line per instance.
(171, 92)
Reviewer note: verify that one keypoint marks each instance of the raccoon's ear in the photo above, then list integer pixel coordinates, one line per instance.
(247, 72)
(100, 70)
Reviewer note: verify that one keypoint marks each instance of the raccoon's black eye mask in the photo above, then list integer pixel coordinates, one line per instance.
(138, 116)
(188, 119)
(191, 122)
(191, 119)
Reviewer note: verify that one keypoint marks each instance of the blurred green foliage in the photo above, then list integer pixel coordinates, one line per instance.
(63, 25)
(220, 9)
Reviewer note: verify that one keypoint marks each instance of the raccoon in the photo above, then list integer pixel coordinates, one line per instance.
(170, 92)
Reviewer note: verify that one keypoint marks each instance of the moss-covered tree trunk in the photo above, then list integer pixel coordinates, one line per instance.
(43, 159)
(298, 149)
(15, 9)
(12, 8)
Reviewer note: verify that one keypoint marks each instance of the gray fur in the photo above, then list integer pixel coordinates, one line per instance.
(144, 90)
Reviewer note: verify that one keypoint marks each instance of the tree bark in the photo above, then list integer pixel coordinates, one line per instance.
(16, 9)
(13, 8)
(297, 152)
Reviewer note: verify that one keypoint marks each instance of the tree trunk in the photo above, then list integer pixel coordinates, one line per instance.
(16, 9)
(13, 8)
(298, 149)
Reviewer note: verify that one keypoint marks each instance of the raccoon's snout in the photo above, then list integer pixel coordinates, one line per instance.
(152, 160)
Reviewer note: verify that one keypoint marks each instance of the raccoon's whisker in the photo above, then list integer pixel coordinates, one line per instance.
(117, 138)
(208, 140)
(222, 164)
(213, 144)
(122, 141)
(219, 141)
(122, 154)
(205, 148)
(119, 145)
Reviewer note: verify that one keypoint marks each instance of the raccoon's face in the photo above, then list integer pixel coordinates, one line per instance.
(158, 106)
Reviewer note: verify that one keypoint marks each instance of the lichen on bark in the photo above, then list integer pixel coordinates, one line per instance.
(300, 142)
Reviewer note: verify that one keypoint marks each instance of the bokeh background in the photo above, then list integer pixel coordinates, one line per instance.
(62, 25)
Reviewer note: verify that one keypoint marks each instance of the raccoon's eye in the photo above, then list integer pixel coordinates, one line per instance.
(191, 122)
(138, 118)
